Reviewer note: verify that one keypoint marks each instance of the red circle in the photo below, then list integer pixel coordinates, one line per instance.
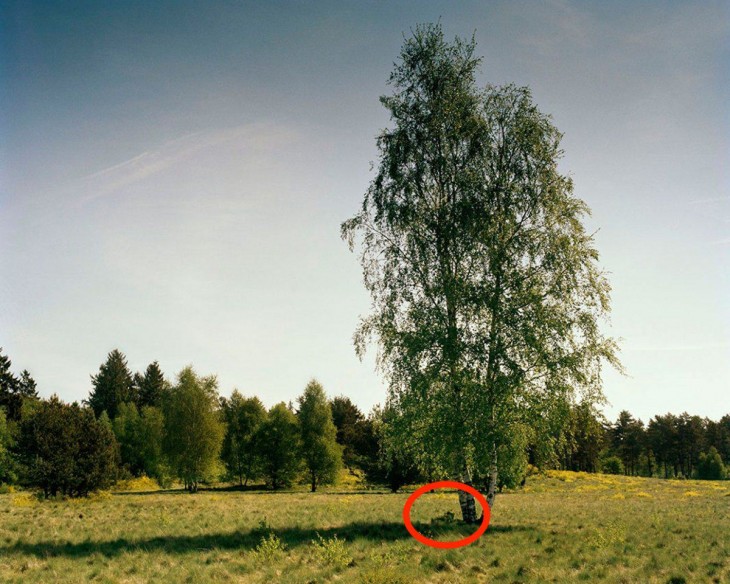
(446, 485)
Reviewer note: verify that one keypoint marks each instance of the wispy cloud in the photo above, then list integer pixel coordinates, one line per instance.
(110, 180)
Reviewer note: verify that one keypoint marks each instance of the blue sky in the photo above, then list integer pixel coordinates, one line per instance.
(173, 176)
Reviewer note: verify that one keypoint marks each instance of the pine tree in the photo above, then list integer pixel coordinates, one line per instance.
(27, 386)
(113, 385)
(14, 391)
(150, 386)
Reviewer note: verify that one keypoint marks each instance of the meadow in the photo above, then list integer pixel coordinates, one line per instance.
(561, 527)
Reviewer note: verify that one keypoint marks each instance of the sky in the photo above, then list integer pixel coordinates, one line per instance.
(173, 176)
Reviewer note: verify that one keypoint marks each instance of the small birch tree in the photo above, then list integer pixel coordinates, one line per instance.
(320, 450)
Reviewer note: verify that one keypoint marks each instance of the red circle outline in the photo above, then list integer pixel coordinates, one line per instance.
(446, 485)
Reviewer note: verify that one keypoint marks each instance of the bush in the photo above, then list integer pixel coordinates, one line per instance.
(270, 548)
(331, 552)
(710, 466)
(66, 449)
(612, 465)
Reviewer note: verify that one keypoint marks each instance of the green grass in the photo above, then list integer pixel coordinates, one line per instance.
(564, 527)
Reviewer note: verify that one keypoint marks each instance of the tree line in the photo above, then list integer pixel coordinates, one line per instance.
(142, 424)
(668, 446)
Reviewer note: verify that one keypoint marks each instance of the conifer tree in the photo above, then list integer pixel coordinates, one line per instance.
(112, 386)
(150, 386)
(14, 391)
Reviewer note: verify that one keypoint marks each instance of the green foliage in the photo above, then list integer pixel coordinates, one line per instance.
(710, 466)
(332, 552)
(150, 387)
(634, 524)
(270, 548)
(140, 437)
(485, 286)
(193, 430)
(355, 433)
(66, 449)
(280, 446)
(243, 418)
(512, 456)
(582, 438)
(8, 465)
(612, 465)
(112, 386)
(394, 465)
(14, 391)
(627, 441)
(321, 453)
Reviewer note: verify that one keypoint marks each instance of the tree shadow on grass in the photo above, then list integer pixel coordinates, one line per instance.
(236, 540)
(253, 489)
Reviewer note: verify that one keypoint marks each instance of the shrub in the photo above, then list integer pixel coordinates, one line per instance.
(332, 552)
(612, 465)
(67, 450)
(270, 548)
(710, 466)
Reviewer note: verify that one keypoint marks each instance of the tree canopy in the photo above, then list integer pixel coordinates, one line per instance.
(320, 450)
(280, 441)
(193, 429)
(486, 293)
(243, 417)
(112, 385)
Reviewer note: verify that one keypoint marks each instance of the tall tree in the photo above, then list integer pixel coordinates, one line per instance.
(662, 438)
(628, 441)
(392, 465)
(584, 438)
(27, 386)
(486, 292)
(7, 460)
(150, 386)
(243, 417)
(193, 429)
(718, 435)
(140, 434)
(280, 446)
(320, 450)
(112, 386)
(346, 417)
(14, 391)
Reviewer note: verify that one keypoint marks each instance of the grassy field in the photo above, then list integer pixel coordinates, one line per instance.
(563, 527)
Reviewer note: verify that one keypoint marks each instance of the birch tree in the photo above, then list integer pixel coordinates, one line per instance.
(486, 293)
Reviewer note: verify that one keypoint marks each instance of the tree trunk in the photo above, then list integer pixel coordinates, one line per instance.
(467, 502)
(314, 483)
(492, 488)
